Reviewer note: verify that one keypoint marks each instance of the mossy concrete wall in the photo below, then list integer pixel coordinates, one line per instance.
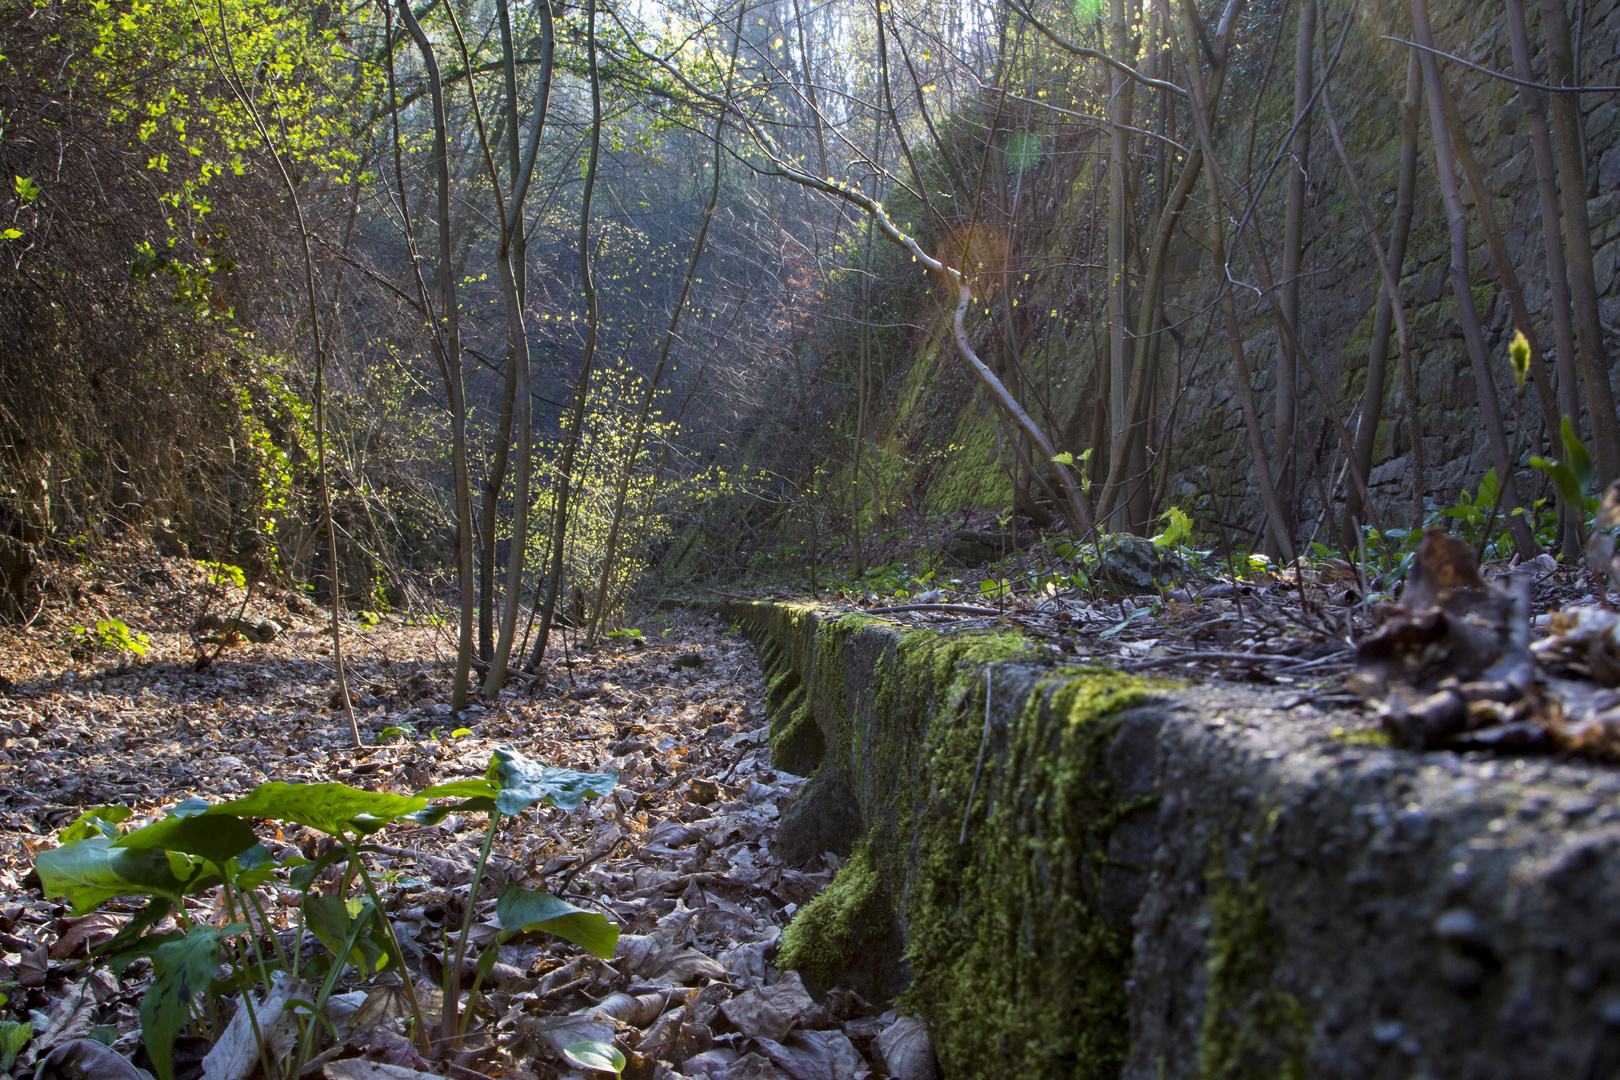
(1183, 882)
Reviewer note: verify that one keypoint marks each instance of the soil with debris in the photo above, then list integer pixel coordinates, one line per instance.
(679, 855)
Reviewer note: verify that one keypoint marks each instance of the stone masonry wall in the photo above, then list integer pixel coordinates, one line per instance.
(1163, 883)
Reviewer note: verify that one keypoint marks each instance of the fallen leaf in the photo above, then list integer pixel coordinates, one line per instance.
(907, 1050)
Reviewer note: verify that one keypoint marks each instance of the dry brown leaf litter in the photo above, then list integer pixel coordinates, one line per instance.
(680, 854)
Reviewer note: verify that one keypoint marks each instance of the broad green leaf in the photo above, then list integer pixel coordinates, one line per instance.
(13, 1037)
(217, 838)
(194, 872)
(304, 876)
(331, 808)
(191, 807)
(256, 865)
(87, 872)
(180, 970)
(1178, 529)
(342, 929)
(604, 1057)
(524, 783)
(156, 909)
(143, 949)
(1580, 461)
(1563, 478)
(255, 861)
(520, 909)
(488, 958)
(98, 821)
(435, 814)
(461, 789)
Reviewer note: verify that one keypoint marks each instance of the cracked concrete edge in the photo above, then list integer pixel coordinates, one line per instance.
(1316, 905)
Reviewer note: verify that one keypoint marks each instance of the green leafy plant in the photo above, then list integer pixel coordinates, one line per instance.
(631, 634)
(13, 1037)
(1077, 463)
(1572, 476)
(198, 846)
(1177, 530)
(1470, 511)
(1135, 616)
(112, 634)
(220, 573)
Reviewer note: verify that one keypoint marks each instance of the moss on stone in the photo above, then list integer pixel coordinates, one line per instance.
(1012, 962)
(972, 474)
(1252, 1027)
(1008, 954)
(797, 746)
(836, 930)
(779, 688)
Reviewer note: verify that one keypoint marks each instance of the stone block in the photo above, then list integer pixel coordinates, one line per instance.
(1609, 171)
(1602, 210)
(1603, 266)
(1509, 115)
(1601, 124)
(1396, 471)
(1447, 481)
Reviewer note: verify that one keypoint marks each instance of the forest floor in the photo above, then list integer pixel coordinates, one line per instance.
(679, 855)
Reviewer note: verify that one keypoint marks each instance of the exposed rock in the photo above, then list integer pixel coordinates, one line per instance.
(260, 630)
(972, 547)
(1131, 564)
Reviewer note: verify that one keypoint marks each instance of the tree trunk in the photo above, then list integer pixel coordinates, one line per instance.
(450, 363)
(1241, 384)
(1566, 129)
(582, 385)
(1119, 117)
(1489, 408)
(1564, 362)
(1286, 406)
(1372, 395)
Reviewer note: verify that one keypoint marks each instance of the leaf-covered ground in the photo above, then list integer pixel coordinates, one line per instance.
(679, 855)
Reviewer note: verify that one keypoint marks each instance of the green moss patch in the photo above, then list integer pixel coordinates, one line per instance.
(797, 745)
(1013, 963)
(1009, 955)
(847, 923)
(1252, 1027)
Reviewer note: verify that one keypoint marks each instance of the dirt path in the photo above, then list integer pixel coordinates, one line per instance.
(679, 855)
